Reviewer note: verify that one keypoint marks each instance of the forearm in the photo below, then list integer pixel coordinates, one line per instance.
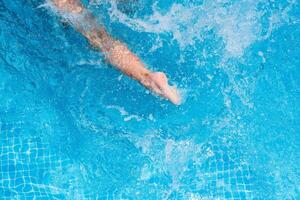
(117, 54)
(121, 57)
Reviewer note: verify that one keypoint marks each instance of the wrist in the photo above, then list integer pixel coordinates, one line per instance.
(145, 78)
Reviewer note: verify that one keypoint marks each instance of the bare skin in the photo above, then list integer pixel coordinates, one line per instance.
(119, 55)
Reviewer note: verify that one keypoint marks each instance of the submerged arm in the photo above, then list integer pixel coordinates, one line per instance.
(116, 52)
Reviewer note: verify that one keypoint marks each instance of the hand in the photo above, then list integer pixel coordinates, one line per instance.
(158, 83)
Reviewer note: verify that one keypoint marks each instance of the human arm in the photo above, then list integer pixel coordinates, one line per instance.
(116, 52)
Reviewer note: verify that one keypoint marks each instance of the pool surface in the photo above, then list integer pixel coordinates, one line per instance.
(73, 127)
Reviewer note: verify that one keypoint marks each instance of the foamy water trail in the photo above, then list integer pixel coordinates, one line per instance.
(83, 20)
(238, 23)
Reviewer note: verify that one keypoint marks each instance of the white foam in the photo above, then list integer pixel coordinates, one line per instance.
(261, 54)
(186, 24)
(83, 20)
(145, 173)
(125, 114)
(239, 24)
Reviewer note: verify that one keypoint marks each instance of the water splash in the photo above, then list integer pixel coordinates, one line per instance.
(238, 23)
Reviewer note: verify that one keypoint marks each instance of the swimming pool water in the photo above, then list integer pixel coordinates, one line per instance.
(72, 127)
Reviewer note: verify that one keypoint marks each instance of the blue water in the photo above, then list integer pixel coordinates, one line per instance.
(72, 127)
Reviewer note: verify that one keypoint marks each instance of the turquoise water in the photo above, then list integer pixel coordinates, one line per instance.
(72, 127)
